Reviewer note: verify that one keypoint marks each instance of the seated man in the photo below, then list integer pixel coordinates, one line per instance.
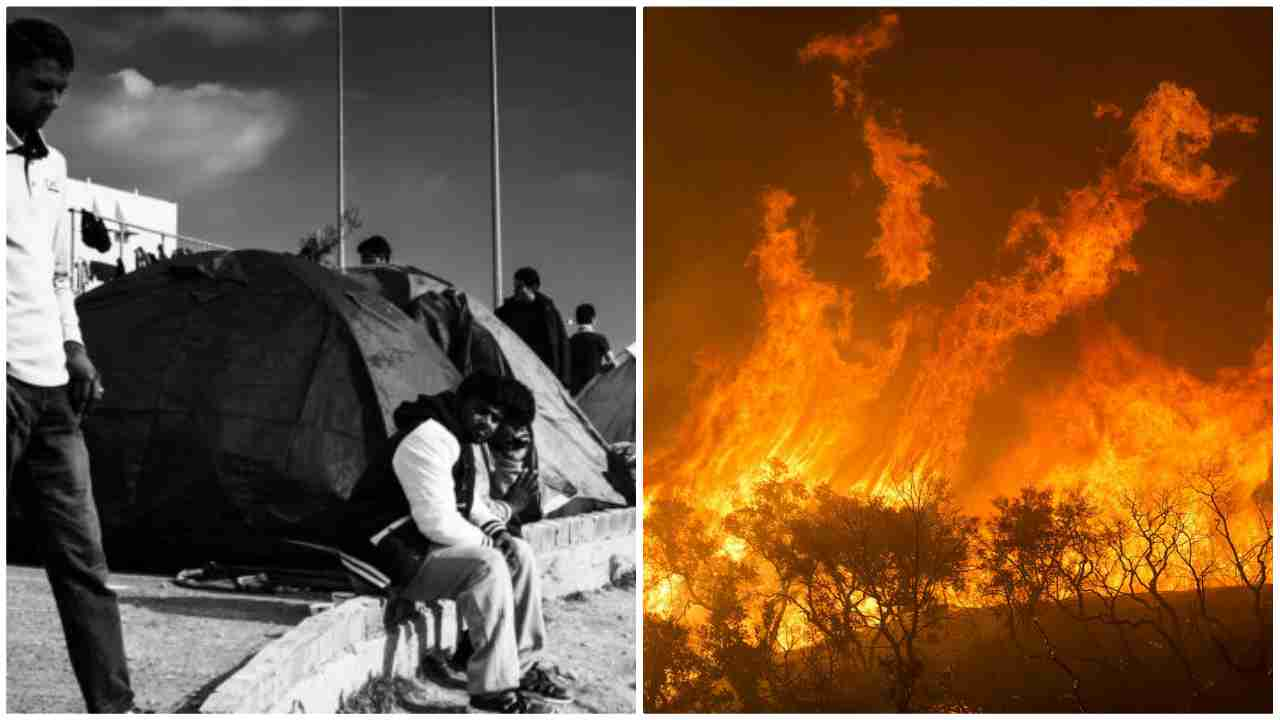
(449, 545)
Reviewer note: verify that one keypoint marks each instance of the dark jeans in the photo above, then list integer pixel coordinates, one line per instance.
(49, 477)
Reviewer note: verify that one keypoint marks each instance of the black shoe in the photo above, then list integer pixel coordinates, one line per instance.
(540, 682)
(139, 710)
(506, 702)
(441, 672)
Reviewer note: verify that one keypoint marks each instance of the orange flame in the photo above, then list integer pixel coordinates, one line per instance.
(829, 377)
(1086, 250)
(906, 233)
(1129, 416)
(854, 51)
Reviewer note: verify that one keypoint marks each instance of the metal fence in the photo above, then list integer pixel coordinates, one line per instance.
(87, 274)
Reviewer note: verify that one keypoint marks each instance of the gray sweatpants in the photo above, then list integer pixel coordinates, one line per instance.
(502, 607)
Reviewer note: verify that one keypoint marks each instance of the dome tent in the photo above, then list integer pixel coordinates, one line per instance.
(247, 395)
(573, 457)
(610, 399)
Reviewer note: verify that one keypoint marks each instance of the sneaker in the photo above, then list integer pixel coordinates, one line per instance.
(506, 702)
(538, 681)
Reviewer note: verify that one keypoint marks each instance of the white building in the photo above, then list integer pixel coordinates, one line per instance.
(142, 229)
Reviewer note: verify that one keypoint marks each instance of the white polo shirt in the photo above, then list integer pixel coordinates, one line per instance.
(39, 303)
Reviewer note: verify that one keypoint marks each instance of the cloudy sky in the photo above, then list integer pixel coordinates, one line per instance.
(232, 113)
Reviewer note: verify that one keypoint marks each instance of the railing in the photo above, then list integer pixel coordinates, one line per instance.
(83, 275)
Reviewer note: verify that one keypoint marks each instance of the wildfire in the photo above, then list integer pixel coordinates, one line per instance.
(830, 377)
(1128, 415)
(819, 391)
(1086, 250)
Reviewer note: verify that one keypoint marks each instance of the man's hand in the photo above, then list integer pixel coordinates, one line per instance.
(85, 386)
(506, 544)
(523, 492)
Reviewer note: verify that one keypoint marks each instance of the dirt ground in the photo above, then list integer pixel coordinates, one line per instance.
(592, 642)
(180, 643)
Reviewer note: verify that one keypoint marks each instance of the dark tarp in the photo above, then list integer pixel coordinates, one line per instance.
(246, 394)
(573, 458)
(610, 400)
(400, 284)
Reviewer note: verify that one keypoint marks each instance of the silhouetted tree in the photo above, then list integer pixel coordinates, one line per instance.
(675, 675)
(869, 575)
(319, 244)
(1031, 553)
(1241, 532)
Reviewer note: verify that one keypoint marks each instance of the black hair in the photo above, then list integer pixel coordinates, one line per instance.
(529, 276)
(585, 314)
(375, 245)
(32, 39)
(505, 393)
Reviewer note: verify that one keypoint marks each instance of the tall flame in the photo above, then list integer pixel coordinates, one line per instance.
(1086, 249)
(905, 243)
(799, 392)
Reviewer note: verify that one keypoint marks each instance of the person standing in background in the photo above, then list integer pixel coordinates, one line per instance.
(589, 353)
(534, 317)
(374, 250)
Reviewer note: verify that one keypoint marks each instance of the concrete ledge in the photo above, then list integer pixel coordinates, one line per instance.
(331, 655)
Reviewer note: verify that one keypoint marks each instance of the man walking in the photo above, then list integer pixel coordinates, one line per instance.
(534, 317)
(438, 539)
(51, 381)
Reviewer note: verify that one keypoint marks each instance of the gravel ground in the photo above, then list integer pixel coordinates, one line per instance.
(592, 641)
(180, 643)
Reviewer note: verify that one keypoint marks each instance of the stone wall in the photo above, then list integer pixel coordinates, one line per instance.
(332, 654)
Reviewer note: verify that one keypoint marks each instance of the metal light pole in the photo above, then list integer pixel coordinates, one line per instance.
(497, 178)
(342, 190)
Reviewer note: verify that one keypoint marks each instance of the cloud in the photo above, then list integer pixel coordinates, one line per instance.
(220, 27)
(301, 23)
(190, 137)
